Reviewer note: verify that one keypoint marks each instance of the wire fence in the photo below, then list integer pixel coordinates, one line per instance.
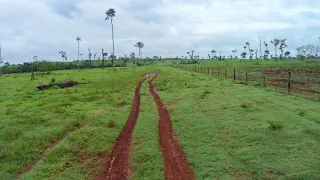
(303, 80)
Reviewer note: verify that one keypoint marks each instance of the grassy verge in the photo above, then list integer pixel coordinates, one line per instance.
(31, 121)
(147, 161)
(235, 131)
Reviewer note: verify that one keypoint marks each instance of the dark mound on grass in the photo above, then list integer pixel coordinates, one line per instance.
(65, 84)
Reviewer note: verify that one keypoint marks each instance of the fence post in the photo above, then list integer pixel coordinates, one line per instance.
(208, 71)
(225, 72)
(218, 71)
(212, 71)
(234, 74)
(247, 77)
(289, 81)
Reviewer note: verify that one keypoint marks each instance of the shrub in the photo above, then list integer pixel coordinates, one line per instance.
(111, 124)
(243, 105)
(53, 80)
(275, 125)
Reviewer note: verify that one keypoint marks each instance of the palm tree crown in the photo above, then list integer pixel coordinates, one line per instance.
(110, 13)
(139, 45)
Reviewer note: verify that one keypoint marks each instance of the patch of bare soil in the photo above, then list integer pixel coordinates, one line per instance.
(118, 162)
(176, 163)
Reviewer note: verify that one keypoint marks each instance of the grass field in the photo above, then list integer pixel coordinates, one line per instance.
(227, 130)
(75, 120)
(235, 131)
(304, 75)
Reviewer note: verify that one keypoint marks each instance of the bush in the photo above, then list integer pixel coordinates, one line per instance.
(111, 124)
(275, 125)
(243, 105)
(53, 80)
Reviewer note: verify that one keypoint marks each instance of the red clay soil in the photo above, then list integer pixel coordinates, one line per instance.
(175, 161)
(118, 161)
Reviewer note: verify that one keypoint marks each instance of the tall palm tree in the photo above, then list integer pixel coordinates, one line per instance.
(275, 42)
(248, 45)
(139, 45)
(245, 49)
(213, 52)
(283, 45)
(188, 54)
(111, 13)
(234, 52)
(78, 39)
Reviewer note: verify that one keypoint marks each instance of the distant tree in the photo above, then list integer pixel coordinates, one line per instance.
(243, 55)
(245, 49)
(209, 56)
(78, 39)
(287, 54)
(89, 55)
(234, 52)
(276, 43)
(307, 51)
(139, 45)
(188, 54)
(133, 55)
(283, 45)
(260, 47)
(111, 13)
(251, 53)
(266, 54)
(213, 52)
(192, 52)
(94, 56)
(256, 52)
(248, 45)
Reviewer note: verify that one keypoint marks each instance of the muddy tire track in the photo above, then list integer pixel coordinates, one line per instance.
(118, 161)
(44, 152)
(175, 161)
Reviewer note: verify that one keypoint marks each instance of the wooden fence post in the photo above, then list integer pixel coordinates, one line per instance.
(234, 74)
(208, 71)
(289, 81)
(225, 72)
(212, 71)
(247, 77)
(218, 71)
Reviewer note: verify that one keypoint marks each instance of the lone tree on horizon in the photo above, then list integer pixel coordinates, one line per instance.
(78, 39)
(139, 45)
(275, 42)
(111, 13)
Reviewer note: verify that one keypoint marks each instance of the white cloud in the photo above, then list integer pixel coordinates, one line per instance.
(167, 27)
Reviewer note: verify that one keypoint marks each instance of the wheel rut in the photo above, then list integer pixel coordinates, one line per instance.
(118, 162)
(176, 163)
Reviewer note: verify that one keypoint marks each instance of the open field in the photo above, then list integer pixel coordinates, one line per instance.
(62, 133)
(233, 131)
(304, 76)
(220, 129)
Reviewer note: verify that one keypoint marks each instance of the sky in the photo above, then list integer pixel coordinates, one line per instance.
(168, 28)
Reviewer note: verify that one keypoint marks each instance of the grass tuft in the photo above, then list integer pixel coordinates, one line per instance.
(275, 125)
(111, 124)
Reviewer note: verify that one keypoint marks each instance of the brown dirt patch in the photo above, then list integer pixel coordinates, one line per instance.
(118, 162)
(176, 163)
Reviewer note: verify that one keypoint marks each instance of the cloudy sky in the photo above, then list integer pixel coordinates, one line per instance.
(167, 27)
